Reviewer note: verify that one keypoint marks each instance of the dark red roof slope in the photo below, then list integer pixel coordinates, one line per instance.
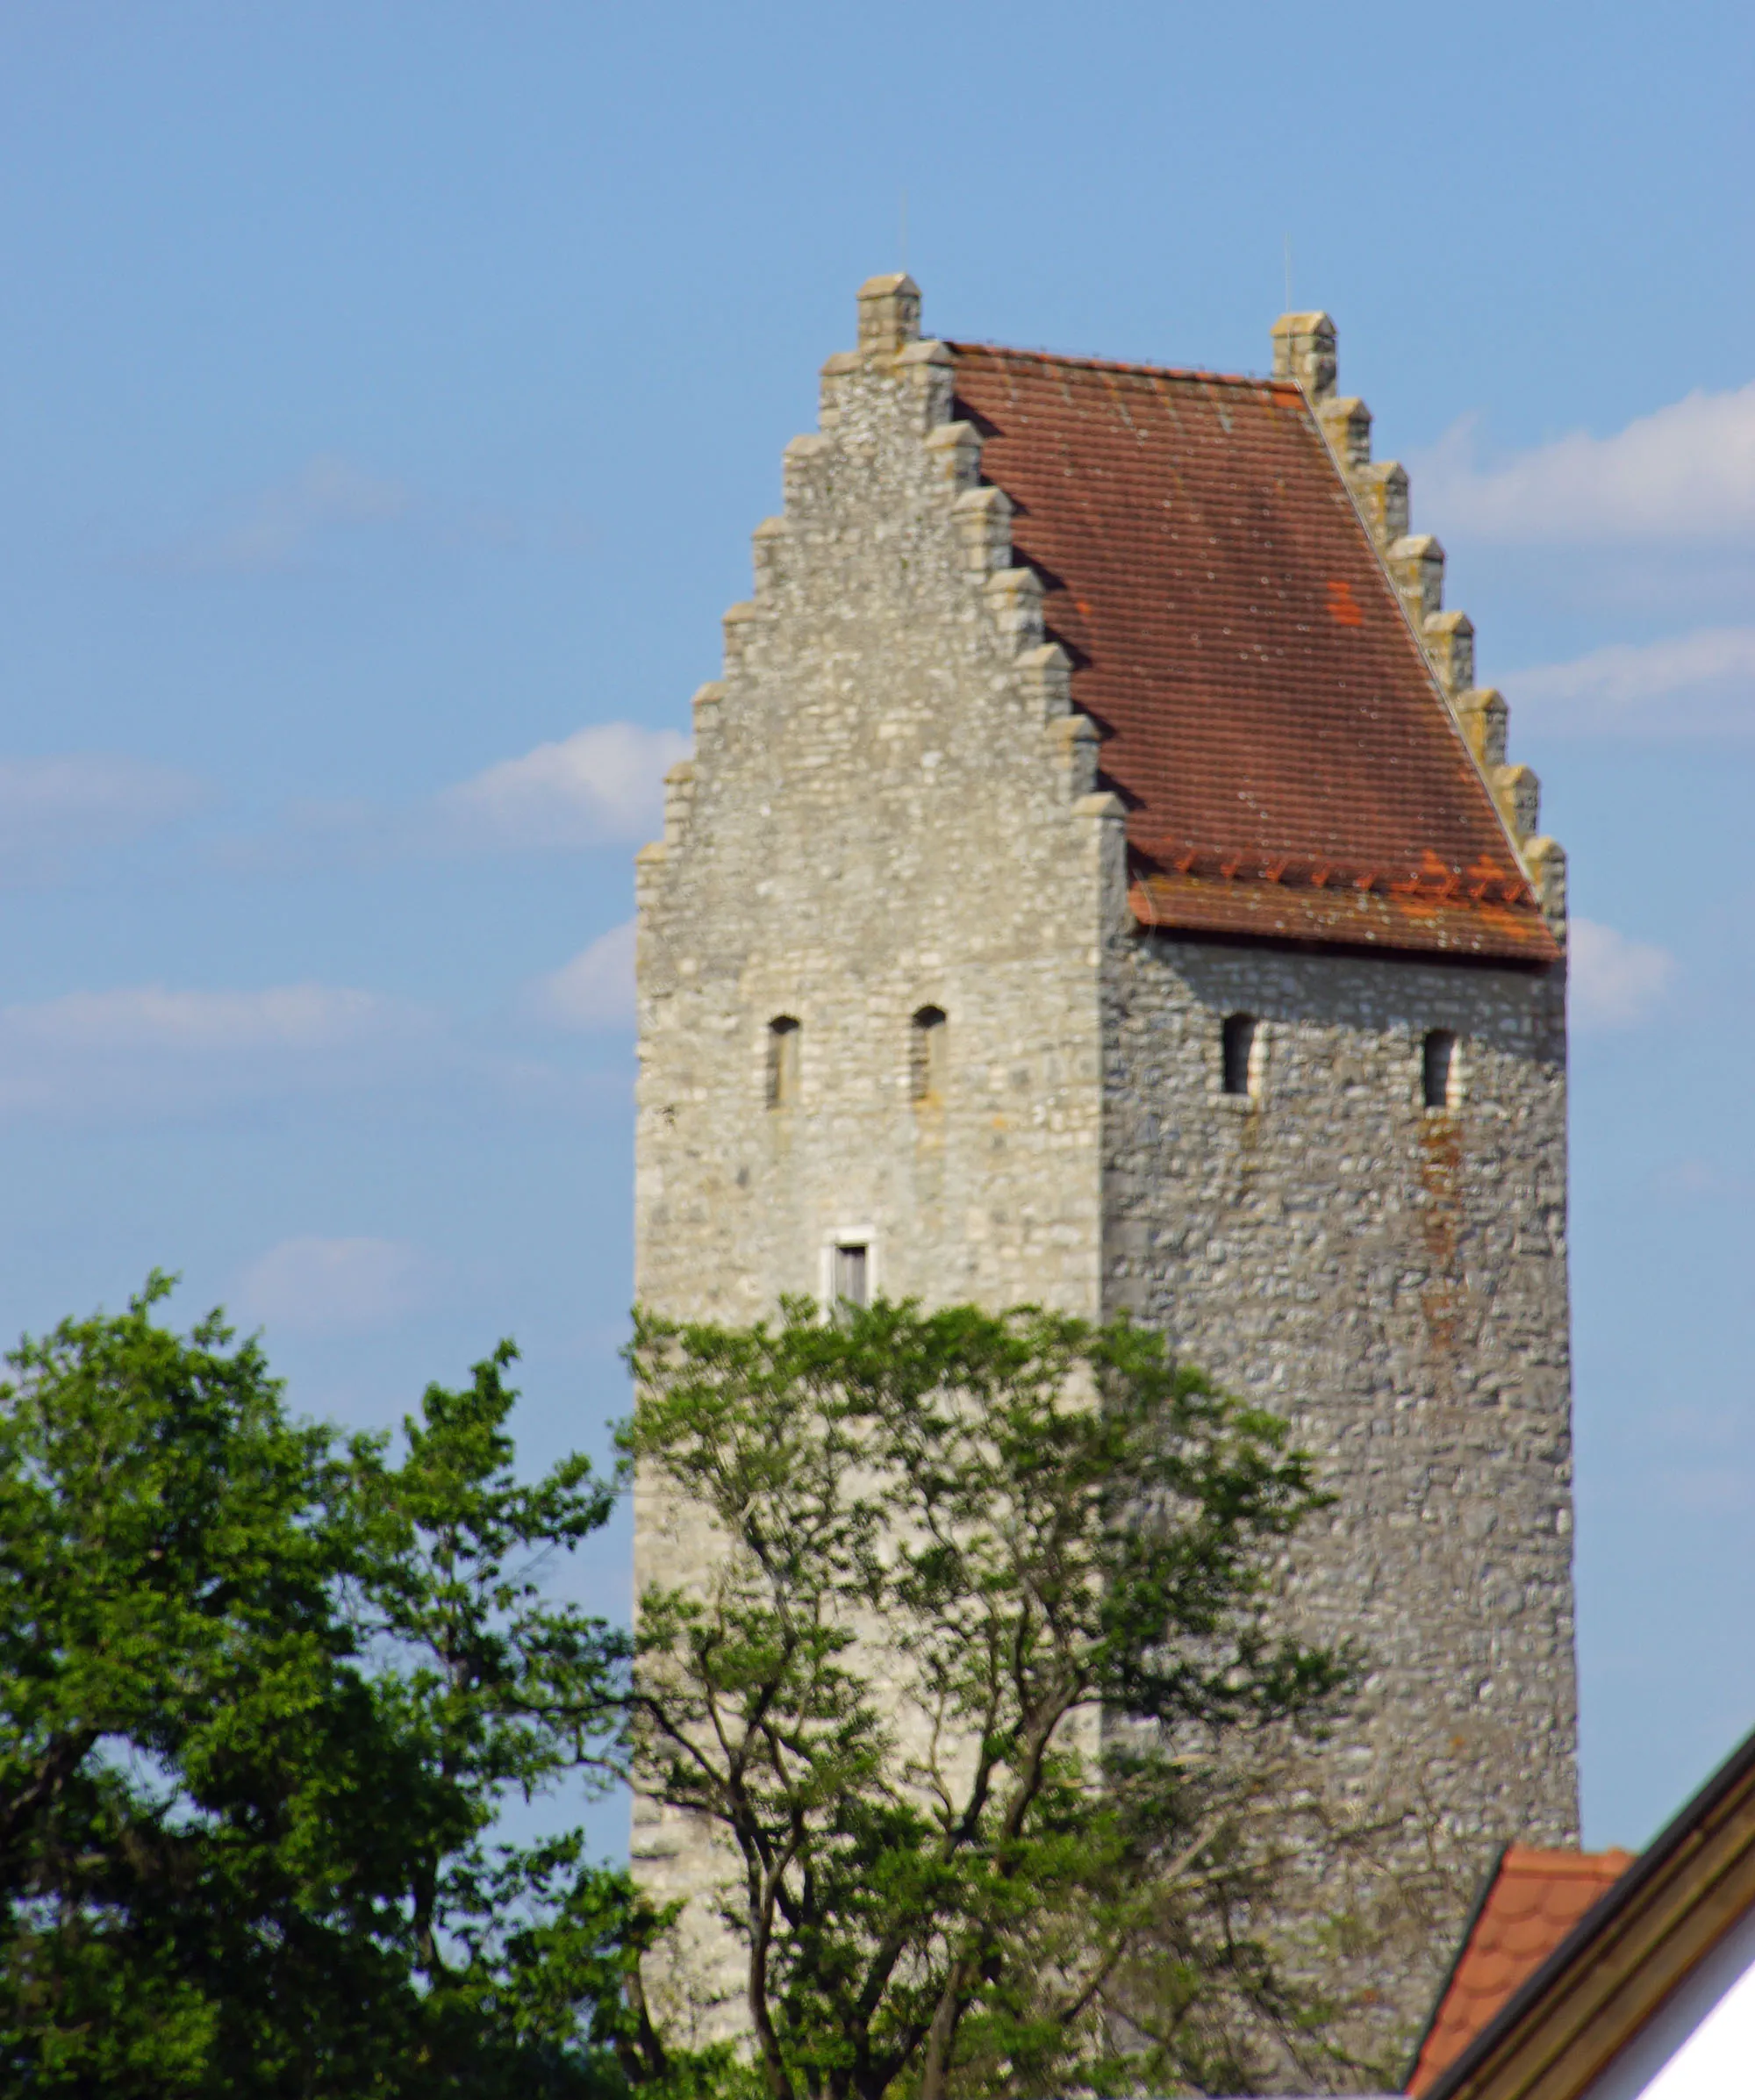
(1289, 765)
(1535, 1900)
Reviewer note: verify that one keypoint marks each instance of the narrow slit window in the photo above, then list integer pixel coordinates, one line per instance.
(1438, 1069)
(783, 1061)
(928, 1045)
(851, 1276)
(1237, 1054)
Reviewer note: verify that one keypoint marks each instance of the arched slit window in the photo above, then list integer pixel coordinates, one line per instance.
(927, 1046)
(1438, 1069)
(1237, 1054)
(784, 1034)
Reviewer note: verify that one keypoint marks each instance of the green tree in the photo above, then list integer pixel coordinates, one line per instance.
(263, 1693)
(974, 1683)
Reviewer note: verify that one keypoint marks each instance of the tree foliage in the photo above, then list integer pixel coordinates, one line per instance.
(977, 1692)
(263, 1693)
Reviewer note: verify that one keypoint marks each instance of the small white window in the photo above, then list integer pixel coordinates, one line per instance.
(783, 1035)
(1438, 1069)
(850, 1274)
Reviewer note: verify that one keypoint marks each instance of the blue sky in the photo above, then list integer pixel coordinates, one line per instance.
(386, 395)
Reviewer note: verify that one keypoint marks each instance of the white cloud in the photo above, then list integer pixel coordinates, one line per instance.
(148, 1049)
(1699, 684)
(1614, 983)
(1702, 1179)
(284, 523)
(148, 1017)
(54, 808)
(595, 990)
(598, 786)
(1684, 472)
(604, 786)
(313, 1286)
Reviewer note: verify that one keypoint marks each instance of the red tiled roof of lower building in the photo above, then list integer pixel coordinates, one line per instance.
(1289, 765)
(1535, 1900)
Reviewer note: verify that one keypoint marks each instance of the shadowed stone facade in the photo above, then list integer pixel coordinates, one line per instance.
(893, 815)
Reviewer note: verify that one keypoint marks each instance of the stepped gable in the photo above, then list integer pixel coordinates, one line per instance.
(1531, 1903)
(1289, 766)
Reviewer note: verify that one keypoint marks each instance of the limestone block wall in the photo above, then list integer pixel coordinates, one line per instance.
(888, 812)
(1393, 1278)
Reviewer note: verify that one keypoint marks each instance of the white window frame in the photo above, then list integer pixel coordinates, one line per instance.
(849, 1236)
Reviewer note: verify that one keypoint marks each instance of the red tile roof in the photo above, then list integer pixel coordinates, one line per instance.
(1534, 1901)
(1289, 766)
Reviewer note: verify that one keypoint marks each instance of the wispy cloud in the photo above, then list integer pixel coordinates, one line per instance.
(142, 1017)
(282, 525)
(1698, 684)
(1701, 1181)
(148, 1049)
(313, 1286)
(1685, 472)
(601, 785)
(594, 991)
(57, 808)
(1614, 983)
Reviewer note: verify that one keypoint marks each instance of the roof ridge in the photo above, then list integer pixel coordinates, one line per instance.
(1258, 382)
(1564, 1861)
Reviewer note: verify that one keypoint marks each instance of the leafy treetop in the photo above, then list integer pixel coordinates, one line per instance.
(263, 1693)
(975, 1684)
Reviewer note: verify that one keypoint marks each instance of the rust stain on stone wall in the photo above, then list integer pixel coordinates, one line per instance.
(1440, 1174)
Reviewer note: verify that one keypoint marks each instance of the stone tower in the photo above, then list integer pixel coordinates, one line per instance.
(1098, 882)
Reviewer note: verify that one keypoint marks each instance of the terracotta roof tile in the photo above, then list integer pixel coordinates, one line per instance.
(1535, 1900)
(1290, 767)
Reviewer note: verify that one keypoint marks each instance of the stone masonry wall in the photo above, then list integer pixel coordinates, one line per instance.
(889, 808)
(1393, 1280)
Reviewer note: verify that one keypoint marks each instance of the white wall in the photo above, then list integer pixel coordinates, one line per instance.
(1701, 2044)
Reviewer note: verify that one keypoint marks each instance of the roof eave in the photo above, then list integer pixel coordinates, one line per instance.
(1387, 924)
(1490, 2068)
